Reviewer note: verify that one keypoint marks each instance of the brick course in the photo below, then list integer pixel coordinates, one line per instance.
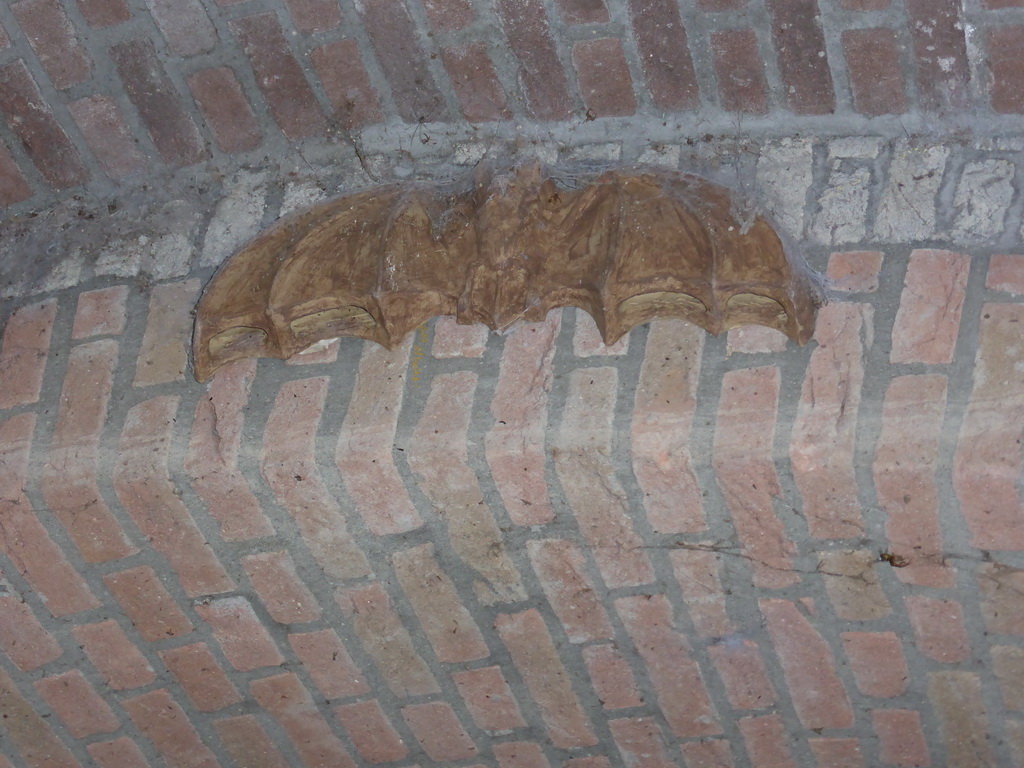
(250, 79)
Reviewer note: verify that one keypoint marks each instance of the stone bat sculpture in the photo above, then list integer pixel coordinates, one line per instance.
(500, 246)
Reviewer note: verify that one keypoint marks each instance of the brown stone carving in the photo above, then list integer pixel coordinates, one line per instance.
(502, 246)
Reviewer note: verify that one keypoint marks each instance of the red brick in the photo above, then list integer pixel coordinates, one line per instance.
(100, 312)
(876, 660)
(184, 25)
(114, 655)
(673, 672)
(329, 664)
(836, 753)
(248, 743)
(372, 734)
(1002, 592)
(854, 271)
(665, 53)
(439, 731)
(809, 667)
(477, 87)
(603, 74)
(284, 697)
(29, 732)
(201, 677)
(108, 135)
(939, 630)
(755, 340)
(741, 667)
(163, 722)
(742, 86)
(743, 458)
(454, 340)
(387, 641)
(1008, 666)
(490, 701)
(906, 459)
(561, 569)
(50, 33)
(289, 467)
(989, 456)
(226, 109)
(900, 738)
(698, 572)
(104, 13)
(928, 320)
(212, 457)
(536, 657)
(449, 14)
(767, 741)
(23, 538)
(143, 485)
(707, 753)
(940, 46)
(447, 623)
(26, 346)
(876, 77)
(13, 186)
(147, 604)
(666, 398)
(1006, 273)
(366, 445)
(281, 589)
(640, 742)
(803, 64)
(956, 698)
(583, 11)
(587, 341)
(159, 104)
(69, 480)
(611, 677)
(164, 354)
(284, 85)
(541, 75)
(520, 754)
(1007, 67)
(346, 82)
(1015, 739)
(582, 453)
(5, 39)
(118, 753)
(851, 581)
(245, 641)
(400, 56)
(825, 427)
(514, 445)
(310, 16)
(25, 641)
(76, 702)
(34, 123)
(439, 455)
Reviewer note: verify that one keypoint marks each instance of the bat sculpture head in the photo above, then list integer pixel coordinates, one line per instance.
(498, 247)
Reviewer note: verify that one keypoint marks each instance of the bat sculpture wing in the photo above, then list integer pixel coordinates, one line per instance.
(501, 246)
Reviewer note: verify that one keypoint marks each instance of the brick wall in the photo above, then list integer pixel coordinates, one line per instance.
(528, 551)
(100, 92)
